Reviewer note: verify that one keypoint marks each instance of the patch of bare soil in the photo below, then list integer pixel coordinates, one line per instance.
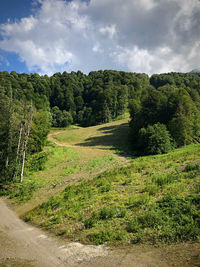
(179, 255)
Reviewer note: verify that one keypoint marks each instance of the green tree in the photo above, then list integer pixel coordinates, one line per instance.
(155, 139)
(40, 127)
(185, 124)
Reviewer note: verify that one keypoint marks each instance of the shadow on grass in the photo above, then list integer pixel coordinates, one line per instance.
(114, 138)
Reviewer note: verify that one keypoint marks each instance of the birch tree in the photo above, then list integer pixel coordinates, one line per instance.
(28, 116)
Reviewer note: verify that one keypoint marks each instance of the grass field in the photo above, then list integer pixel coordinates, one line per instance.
(111, 136)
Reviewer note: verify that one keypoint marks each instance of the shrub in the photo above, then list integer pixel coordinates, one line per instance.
(120, 212)
(37, 161)
(192, 167)
(99, 237)
(155, 139)
(23, 191)
(132, 226)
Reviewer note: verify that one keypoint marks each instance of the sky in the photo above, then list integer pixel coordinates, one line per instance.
(145, 36)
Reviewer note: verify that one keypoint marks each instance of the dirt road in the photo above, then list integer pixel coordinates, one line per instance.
(24, 245)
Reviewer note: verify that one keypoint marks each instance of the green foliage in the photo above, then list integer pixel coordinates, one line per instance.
(164, 179)
(138, 200)
(61, 118)
(37, 161)
(152, 189)
(170, 219)
(88, 100)
(154, 139)
(154, 199)
(23, 130)
(173, 100)
(192, 167)
(39, 130)
(185, 125)
(20, 192)
(103, 236)
(100, 162)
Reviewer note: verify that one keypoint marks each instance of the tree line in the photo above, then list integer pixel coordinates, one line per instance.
(75, 97)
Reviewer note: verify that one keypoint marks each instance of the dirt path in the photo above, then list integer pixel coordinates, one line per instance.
(25, 245)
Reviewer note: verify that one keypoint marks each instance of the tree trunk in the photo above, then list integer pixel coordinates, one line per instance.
(26, 136)
(18, 148)
(19, 142)
(9, 142)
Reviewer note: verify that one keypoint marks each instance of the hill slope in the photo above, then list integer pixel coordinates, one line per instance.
(153, 199)
(74, 154)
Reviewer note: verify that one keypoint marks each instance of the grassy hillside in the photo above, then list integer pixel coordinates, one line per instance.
(153, 199)
(74, 154)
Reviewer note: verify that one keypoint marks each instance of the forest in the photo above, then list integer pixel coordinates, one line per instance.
(164, 110)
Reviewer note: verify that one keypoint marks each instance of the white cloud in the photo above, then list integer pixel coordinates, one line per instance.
(108, 30)
(147, 4)
(97, 48)
(137, 60)
(142, 36)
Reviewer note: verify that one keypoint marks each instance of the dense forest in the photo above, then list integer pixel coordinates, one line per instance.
(164, 110)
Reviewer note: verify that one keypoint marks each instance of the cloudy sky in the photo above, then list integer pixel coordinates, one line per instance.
(48, 36)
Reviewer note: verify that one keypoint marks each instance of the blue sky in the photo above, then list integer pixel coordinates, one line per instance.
(48, 36)
(12, 10)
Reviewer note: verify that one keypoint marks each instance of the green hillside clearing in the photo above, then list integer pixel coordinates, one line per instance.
(153, 199)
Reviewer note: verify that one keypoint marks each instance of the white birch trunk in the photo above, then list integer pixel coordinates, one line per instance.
(26, 136)
(18, 148)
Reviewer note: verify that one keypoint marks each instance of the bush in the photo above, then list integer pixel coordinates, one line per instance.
(37, 161)
(23, 191)
(192, 167)
(107, 213)
(155, 139)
